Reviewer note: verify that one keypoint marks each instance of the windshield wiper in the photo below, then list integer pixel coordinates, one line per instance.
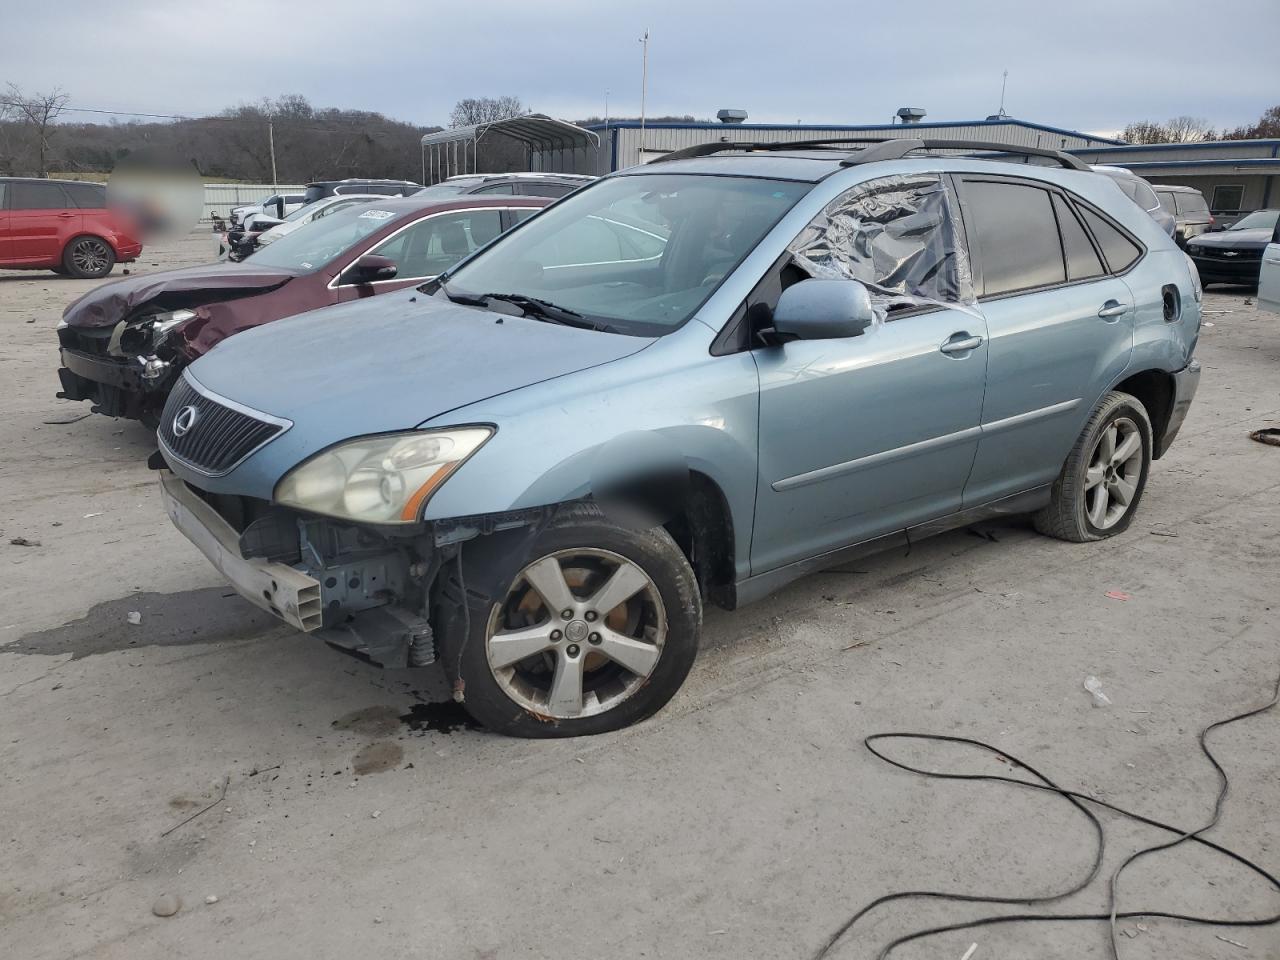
(541, 310)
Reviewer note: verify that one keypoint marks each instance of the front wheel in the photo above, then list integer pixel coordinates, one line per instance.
(88, 258)
(596, 629)
(1097, 491)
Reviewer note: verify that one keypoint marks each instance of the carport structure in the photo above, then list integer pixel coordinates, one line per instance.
(555, 143)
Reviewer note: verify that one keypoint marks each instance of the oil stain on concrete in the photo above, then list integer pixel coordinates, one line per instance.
(210, 615)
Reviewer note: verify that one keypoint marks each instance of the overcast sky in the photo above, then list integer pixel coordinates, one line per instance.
(1089, 64)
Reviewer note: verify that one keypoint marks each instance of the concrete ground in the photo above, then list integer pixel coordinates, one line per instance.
(745, 820)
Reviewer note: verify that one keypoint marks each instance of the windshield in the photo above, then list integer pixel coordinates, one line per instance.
(637, 254)
(450, 188)
(312, 245)
(1258, 220)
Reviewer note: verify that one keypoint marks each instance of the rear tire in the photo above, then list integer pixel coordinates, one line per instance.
(606, 665)
(88, 258)
(1099, 487)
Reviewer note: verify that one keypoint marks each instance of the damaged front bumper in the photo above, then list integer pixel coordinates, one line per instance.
(339, 585)
(120, 385)
(291, 595)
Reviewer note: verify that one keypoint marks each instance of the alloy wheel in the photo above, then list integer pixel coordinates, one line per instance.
(89, 255)
(1115, 469)
(579, 632)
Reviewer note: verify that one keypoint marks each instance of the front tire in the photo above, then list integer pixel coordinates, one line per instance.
(594, 629)
(1098, 489)
(88, 258)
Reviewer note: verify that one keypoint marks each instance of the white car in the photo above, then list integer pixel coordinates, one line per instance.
(276, 205)
(1269, 277)
(314, 211)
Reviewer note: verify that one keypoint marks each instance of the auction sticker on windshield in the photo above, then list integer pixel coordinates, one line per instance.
(377, 215)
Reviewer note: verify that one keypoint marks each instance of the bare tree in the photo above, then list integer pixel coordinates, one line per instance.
(38, 111)
(1183, 129)
(485, 110)
(1268, 126)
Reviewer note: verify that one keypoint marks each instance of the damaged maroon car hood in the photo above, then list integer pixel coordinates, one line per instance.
(110, 303)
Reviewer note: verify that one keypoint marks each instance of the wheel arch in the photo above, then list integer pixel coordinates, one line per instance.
(1154, 389)
(83, 234)
(702, 526)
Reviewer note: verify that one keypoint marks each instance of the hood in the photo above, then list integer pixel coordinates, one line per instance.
(110, 303)
(1233, 238)
(391, 362)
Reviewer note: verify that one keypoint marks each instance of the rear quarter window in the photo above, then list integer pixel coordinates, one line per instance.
(87, 196)
(1120, 251)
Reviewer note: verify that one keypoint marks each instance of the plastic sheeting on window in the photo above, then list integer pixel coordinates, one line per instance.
(897, 236)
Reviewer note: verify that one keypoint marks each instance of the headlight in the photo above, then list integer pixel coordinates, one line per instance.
(384, 479)
(162, 323)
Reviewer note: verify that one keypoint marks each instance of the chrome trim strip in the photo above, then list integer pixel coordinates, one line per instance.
(208, 394)
(875, 459)
(1031, 416)
(923, 446)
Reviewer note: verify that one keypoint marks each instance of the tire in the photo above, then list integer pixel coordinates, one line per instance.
(88, 258)
(513, 694)
(1089, 476)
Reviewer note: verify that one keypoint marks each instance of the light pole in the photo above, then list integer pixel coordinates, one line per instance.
(644, 84)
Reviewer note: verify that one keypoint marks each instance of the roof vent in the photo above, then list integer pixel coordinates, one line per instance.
(731, 116)
(911, 114)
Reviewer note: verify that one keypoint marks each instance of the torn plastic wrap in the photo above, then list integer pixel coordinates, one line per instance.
(895, 235)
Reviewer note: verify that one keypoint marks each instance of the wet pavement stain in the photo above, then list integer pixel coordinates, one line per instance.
(168, 619)
(376, 757)
(380, 721)
(445, 717)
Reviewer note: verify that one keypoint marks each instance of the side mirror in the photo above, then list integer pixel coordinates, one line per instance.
(371, 268)
(823, 310)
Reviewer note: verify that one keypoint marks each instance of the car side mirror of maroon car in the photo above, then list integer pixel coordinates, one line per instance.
(371, 268)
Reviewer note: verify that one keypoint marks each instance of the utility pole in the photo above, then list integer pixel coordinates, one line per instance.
(644, 85)
(606, 133)
(271, 140)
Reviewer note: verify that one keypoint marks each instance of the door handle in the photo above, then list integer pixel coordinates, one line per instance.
(961, 343)
(1271, 260)
(1112, 309)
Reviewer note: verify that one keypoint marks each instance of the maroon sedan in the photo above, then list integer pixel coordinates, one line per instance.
(124, 343)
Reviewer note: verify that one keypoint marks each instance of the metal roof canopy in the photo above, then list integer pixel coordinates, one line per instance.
(455, 151)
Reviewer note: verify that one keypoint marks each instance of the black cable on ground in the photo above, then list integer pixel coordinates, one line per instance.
(1079, 801)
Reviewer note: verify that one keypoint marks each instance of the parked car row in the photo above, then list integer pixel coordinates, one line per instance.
(556, 433)
(124, 344)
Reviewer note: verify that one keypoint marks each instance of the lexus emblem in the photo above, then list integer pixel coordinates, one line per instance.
(184, 420)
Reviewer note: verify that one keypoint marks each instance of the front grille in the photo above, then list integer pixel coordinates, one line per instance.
(1229, 254)
(218, 436)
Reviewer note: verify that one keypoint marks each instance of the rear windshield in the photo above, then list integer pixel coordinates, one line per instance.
(316, 192)
(312, 245)
(1192, 203)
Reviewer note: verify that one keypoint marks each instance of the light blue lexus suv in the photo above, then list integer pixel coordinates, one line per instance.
(691, 381)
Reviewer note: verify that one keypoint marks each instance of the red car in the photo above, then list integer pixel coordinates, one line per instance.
(124, 343)
(64, 226)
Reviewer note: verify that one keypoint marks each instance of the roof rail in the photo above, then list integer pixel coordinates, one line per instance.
(874, 149)
(896, 149)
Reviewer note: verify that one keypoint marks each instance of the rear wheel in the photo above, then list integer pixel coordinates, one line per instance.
(88, 258)
(596, 630)
(1097, 491)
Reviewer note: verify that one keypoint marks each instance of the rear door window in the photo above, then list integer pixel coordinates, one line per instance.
(37, 195)
(1083, 262)
(1013, 227)
(1120, 251)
